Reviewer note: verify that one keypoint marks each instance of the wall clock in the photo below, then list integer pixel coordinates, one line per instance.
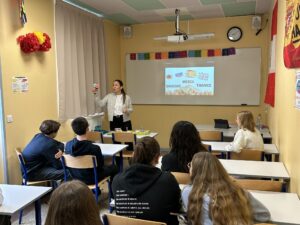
(234, 34)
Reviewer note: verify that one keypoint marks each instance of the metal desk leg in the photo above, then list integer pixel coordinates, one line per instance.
(38, 217)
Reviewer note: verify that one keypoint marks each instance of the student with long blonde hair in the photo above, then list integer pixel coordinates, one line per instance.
(247, 137)
(73, 203)
(213, 197)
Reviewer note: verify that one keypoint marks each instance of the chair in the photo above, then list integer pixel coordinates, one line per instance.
(182, 178)
(25, 177)
(111, 219)
(95, 136)
(86, 162)
(211, 135)
(247, 154)
(262, 185)
(207, 147)
(124, 137)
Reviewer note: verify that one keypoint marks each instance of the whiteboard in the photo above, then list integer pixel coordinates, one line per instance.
(237, 79)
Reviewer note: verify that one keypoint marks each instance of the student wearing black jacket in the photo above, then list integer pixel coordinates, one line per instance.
(144, 191)
(81, 146)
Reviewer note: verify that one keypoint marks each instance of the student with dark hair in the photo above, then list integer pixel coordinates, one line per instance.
(184, 143)
(144, 191)
(42, 154)
(214, 198)
(81, 146)
(73, 203)
(118, 106)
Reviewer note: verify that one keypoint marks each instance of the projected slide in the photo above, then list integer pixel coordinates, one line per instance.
(189, 81)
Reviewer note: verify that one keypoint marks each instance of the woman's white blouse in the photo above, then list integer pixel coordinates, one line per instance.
(246, 139)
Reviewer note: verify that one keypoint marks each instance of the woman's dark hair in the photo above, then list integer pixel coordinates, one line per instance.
(122, 90)
(80, 125)
(49, 127)
(185, 142)
(73, 203)
(145, 151)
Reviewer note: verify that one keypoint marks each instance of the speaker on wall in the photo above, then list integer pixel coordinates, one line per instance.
(256, 22)
(127, 31)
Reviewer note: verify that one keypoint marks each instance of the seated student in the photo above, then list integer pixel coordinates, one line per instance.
(43, 152)
(184, 143)
(81, 146)
(73, 203)
(247, 136)
(145, 192)
(213, 197)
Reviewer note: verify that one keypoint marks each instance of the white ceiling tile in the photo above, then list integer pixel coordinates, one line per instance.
(208, 11)
(180, 3)
(171, 11)
(263, 6)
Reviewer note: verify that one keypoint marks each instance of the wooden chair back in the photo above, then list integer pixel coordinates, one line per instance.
(111, 219)
(124, 137)
(95, 136)
(182, 178)
(80, 162)
(207, 147)
(248, 154)
(211, 135)
(261, 185)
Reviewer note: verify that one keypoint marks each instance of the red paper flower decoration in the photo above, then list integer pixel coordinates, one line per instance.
(36, 41)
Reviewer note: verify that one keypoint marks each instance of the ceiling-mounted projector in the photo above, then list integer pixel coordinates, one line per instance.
(180, 36)
(177, 38)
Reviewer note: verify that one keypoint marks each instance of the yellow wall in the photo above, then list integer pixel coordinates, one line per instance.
(40, 102)
(28, 109)
(162, 117)
(284, 118)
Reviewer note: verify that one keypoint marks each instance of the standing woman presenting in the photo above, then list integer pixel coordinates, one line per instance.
(118, 106)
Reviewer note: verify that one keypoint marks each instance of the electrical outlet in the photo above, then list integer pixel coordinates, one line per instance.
(9, 118)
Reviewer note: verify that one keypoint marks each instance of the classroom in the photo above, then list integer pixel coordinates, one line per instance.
(40, 102)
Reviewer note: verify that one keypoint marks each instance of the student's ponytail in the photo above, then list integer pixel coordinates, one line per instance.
(145, 151)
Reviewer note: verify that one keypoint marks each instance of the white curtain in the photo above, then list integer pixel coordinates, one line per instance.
(80, 60)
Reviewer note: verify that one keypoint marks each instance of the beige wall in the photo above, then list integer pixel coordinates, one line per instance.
(162, 117)
(40, 102)
(284, 118)
(28, 109)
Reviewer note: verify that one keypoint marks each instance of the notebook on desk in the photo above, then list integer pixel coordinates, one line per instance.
(220, 123)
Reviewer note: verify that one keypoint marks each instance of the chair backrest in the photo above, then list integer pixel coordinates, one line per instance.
(80, 162)
(211, 135)
(261, 185)
(95, 136)
(124, 137)
(182, 178)
(207, 147)
(111, 219)
(248, 154)
(22, 166)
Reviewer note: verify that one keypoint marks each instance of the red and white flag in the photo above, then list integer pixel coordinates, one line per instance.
(270, 91)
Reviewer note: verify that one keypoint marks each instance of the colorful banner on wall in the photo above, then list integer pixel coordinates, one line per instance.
(270, 91)
(182, 54)
(292, 34)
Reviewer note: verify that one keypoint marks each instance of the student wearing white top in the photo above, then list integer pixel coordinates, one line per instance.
(247, 137)
(118, 106)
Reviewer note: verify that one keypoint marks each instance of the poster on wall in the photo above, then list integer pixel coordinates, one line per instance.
(291, 52)
(19, 84)
(297, 103)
